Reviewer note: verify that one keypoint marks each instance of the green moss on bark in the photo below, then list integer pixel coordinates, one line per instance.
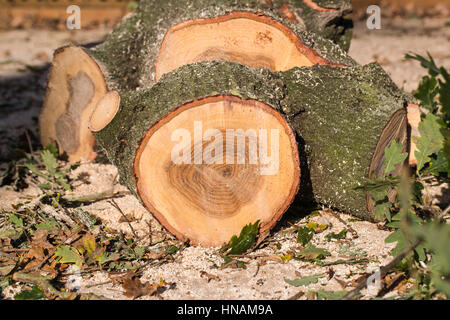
(340, 114)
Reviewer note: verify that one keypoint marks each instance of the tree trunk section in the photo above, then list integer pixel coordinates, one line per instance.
(160, 37)
(207, 150)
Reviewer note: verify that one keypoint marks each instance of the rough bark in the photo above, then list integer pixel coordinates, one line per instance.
(341, 115)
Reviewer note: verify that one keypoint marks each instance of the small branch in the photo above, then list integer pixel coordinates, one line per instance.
(108, 194)
(383, 271)
(115, 205)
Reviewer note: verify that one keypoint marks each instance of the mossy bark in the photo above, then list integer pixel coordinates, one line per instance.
(129, 52)
(338, 114)
(328, 18)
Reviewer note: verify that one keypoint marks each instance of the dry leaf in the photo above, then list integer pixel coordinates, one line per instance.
(209, 276)
(134, 288)
(40, 239)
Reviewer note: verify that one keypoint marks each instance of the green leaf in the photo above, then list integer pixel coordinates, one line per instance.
(171, 249)
(18, 222)
(66, 254)
(431, 140)
(427, 64)
(34, 294)
(338, 236)
(247, 238)
(305, 281)
(50, 162)
(45, 186)
(304, 235)
(48, 225)
(397, 236)
(63, 183)
(36, 171)
(393, 156)
(53, 150)
(312, 252)
(417, 192)
(439, 165)
(383, 210)
(427, 93)
(329, 295)
(106, 257)
(444, 93)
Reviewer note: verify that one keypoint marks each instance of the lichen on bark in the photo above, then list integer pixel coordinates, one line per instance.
(340, 114)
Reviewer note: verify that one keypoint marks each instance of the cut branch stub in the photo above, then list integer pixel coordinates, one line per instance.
(171, 143)
(105, 111)
(218, 163)
(414, 118)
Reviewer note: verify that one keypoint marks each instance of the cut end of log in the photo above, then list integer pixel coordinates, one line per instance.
(105, 111)
(396, 129)
(414, 118)
(219, 163)
(244, 37)
(75, 86)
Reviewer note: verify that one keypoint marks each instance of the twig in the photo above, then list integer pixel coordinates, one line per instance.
(108, 194)
(29, 141)
(115, 205)
(345, 223)
(383, 271)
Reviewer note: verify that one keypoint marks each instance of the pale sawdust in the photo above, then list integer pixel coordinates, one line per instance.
(267, 281)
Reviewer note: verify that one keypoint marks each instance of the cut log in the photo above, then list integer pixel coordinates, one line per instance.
(160, 37)
(346, 117)
(206, 151)
(163, 35)
(75, 86)
(171, 143)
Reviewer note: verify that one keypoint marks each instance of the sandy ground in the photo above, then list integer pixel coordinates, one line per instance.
(19, 107)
